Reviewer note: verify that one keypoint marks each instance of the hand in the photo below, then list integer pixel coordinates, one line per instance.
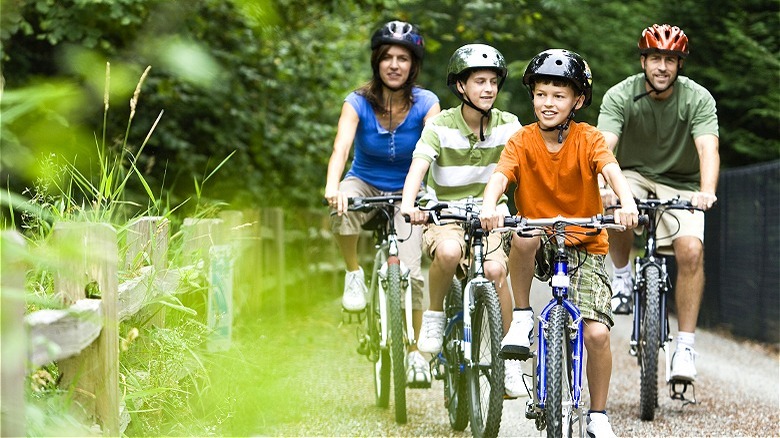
(703, 200)
(608, 196)
(416, 217)
(627, 215)
(337, 200)
(490, 218)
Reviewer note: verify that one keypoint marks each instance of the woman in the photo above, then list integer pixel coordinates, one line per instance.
(384, 119)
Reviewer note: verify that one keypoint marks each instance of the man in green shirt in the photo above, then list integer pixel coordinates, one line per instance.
(663, 129)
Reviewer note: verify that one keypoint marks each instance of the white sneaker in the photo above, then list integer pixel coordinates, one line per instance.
(418, 372)
(431, 332)
(683, 364)
(598, 426)
(517, 342)
(513, 378)
(622, 290)
(354, 298)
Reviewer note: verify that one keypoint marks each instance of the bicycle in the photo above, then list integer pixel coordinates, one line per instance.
(388, 329)
(468, 362)
(555, 398)
(651, 316)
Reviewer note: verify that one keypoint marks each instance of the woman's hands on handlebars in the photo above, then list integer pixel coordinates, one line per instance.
(416, 216)
(337, 200)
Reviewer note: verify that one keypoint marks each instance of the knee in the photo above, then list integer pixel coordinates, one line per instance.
(524, 246)
(689, 253)
(495, 272)
(596, 336)
(447, 253)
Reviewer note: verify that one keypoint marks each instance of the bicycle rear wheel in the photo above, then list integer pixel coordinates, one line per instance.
(397, 336)
(649, 342)
(486, 377)
(455, 383)
(377, 354)
(561, 416)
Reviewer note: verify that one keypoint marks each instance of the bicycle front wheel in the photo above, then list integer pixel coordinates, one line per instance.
(455, 383)
(397, 336)
(562, 418)
(379, 356)
(649, 342)
(486, 377)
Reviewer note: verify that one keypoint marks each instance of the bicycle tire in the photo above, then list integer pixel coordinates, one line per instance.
(559, 409)
(380, 357)
(649, 342)
(455, 383)
(397, 344)
(486, 376)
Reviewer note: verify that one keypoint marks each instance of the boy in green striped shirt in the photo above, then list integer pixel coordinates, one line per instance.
(459, 149)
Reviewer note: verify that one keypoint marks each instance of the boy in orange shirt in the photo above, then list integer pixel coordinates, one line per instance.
(555, 163)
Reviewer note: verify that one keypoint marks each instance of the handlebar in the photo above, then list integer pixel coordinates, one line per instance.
(522, 224)
(674, 203)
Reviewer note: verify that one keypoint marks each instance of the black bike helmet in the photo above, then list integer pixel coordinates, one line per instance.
(401, 33)
(563, 64)
(475, 56)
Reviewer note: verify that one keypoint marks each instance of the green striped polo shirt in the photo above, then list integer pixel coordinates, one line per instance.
(461, 165)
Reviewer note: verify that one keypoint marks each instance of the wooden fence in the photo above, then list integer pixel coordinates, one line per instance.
(83, 336)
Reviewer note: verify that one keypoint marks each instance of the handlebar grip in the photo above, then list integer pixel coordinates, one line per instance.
(643, 219)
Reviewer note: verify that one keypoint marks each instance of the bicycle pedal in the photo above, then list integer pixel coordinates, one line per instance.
(677, 394)
(515, 352)
(352, 317)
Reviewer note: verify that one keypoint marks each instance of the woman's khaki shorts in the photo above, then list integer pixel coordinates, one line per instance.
(494, 249)
(589, 286)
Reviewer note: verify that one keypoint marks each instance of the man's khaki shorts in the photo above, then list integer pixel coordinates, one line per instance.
(494, 248)
(673, 223)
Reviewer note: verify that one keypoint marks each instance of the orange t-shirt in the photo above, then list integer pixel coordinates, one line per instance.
(562, 183)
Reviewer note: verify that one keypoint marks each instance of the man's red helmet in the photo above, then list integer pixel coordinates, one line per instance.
(665, 39)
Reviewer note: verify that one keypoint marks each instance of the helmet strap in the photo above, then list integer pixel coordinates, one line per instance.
(563, 126)
(485, 114)
(655, 90)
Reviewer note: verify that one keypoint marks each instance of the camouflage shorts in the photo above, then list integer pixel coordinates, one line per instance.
(589, 287)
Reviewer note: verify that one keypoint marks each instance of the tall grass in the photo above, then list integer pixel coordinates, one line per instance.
(161, 369)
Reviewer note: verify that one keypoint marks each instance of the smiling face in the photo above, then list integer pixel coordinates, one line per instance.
(661, 69)
(394, 66)
(481, 88)
(553, 102)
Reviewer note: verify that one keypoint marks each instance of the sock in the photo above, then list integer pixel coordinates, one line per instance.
(685, 339)
(518, 314)
(622, 272)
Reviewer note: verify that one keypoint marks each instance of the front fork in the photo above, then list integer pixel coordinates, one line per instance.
(639, 288)
(406, 288)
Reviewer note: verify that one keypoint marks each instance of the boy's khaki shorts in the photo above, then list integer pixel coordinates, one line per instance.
(589, 286)
(673, 223)
(494, 249)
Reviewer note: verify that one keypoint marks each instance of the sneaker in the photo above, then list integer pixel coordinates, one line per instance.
(418, 372)
(513, 378)
(517, 342)
(354, 298)
(598, 426)
(683, 365)
(431, 332)
(623, 287)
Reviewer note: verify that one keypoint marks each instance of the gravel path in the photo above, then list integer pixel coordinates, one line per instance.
(738, 390)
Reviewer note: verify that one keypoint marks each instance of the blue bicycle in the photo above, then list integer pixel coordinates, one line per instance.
(555, 399)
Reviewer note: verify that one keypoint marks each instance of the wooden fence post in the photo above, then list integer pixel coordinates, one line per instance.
(147, 245)
(14, 343)
(87, 268)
